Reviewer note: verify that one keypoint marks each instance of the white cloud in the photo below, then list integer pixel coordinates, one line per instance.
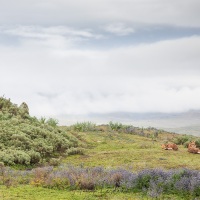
(162, 77)
(52, 36)
(119, 29)
(98, 12)
(40, 32)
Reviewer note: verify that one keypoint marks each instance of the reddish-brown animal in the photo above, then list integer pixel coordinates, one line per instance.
(192, 148)
(170, 147)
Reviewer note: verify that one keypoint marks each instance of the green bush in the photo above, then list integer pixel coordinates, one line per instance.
(54, 161)
(197, 142)
(35, 157)
(26, 140)
(11, 157)
(52, 122)
(182, 139)
(84, 126)
(115, 126)
(73, 151)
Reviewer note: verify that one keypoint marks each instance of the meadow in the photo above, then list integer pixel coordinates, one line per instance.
(41, 160)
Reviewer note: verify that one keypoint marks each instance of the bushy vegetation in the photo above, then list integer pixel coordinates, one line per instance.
(151, 182)
(116, 126)
(130, 129)
(84, 126)
(26, 140)
(184, 140)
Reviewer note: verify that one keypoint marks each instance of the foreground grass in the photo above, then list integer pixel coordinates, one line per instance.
(112, 149)
(38, 193)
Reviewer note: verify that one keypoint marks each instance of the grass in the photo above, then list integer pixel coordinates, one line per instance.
(38, 193)
(112, 149)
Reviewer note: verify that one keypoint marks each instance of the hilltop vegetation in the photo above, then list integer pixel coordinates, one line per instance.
(131, 147)
(27, 140)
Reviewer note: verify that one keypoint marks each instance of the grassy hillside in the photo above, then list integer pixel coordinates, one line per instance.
(137, 149)
(118, 161)
(26, 140)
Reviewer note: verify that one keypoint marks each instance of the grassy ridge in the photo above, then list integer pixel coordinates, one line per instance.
(112, 149)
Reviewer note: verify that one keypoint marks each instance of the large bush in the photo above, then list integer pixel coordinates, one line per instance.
(26, 140)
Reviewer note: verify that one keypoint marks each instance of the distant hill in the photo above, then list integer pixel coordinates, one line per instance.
(187, 122)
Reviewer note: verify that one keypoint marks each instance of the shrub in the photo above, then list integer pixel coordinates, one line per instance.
(86, 183)
(26, 140)
(35, 157)
(130, 129)
(115, 126)
(41, 175)
(54, 161)
(152, 182)
(84, 126)
(20, 157)
(42, 120)
(57, 183)
(74, 151)
(182, 139)
(52, 122)
(197, 142)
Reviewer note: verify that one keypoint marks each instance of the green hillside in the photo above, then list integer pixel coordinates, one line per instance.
(135, 148)
(86, 161)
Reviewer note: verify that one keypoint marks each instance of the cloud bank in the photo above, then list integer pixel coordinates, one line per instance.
(57, 78)
(48, 12)
(66, 58)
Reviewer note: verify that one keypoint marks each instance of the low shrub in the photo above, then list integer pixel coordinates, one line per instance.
(51, 122)
(152, 182)
(74, 151)
(115, 126)
(197, 142)
(182, 139)
(54, 161)
(84, 126)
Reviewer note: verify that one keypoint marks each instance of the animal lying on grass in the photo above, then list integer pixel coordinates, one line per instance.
(192, 148)
(170, 147)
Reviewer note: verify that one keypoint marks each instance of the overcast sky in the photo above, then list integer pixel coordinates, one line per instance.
(79, 57)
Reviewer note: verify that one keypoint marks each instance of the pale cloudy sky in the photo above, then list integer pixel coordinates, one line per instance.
(80, 57)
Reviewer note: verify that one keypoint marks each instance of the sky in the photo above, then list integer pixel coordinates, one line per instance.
(76, 58)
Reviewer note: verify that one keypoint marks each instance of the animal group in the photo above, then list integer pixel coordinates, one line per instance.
(192, 148)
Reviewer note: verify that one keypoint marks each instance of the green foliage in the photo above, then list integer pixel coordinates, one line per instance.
(11, 157)
(182, 139)
(84, 126)
(115, 126)
(74, 151)
(26, 140)
(58, 183)
(42, 120)
(197, 142)
(54, 161)
(52, 122)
